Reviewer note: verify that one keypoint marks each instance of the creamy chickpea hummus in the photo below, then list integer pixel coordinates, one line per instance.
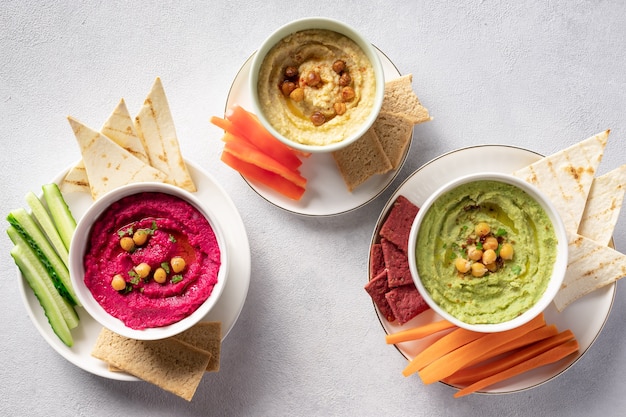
(316, 87)
(466, 224)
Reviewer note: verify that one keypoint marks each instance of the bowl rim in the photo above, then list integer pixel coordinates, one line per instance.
(326, 23)
(76, 266)
(559, 267)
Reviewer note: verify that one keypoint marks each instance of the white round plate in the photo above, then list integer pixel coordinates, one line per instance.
(326, 193)
(585, 317)
(226, 310)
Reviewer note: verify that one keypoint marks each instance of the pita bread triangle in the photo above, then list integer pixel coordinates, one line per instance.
(604, 204)
(566, 176)
(76, 179)
(590, 266)
(120, 128)
(155, 127)
(121, 166)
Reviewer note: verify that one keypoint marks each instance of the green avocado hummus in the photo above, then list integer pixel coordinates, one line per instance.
(451, 234)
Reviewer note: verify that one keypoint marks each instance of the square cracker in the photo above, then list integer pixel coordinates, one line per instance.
(401, 99)
(205, 336)
(166, 363)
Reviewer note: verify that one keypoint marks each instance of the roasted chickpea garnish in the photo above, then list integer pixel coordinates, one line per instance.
(482, 229)
(462, 265)
(118, 283)
(313, 79)
(340, 108)
(287, 87)
(160, 275)
(478, 270)
(142, 270)
(140, 237)
(347, 93)
(339, 66)
(345, 79)
(291, 72)
(127, 243)
(318, 118)
(297, 94)
(178, 264)
(490, 242)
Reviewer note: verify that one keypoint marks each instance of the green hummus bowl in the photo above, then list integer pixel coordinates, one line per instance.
(488, 252)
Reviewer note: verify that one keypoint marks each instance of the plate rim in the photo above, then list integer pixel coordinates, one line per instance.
(374, 238)
(380, 191)
(243, 262)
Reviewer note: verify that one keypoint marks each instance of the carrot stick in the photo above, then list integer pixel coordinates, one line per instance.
(449, 363)
(453, 340)
(250, 154)
(247, 125)
(259, 175)
(550, 356)
(470, 375)
(532, 337)
(418, 332)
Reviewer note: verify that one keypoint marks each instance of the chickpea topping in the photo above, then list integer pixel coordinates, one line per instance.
(127, 243)
(506, 251)
(118, 283)
(490, 243)
(140, 237)
(492, 267)
(478, 269)
(287, 87)
(489, 256)
(345, 79)
(462, 265)
(482, 229)
(142, 270)
(291, 72)
(297, 94)
(160, 275)
(318, 118)
(313, 79)
(340, 108)
(474, 254)
(347, 93)
(178, 264)
(339, 66)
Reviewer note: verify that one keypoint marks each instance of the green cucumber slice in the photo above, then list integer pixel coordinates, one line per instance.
(34, 273)
(60, 212)
(42, 216)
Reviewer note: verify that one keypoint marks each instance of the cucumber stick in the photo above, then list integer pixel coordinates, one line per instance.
(42, 216)
(35, 273)
(28, 229)
(60, 212)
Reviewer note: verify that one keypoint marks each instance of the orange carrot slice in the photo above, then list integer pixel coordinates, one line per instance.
(246, 124)
(531, 337)
(550, 356)
(453, 340)
(470, 375)
(418, 332)
(259, 175)
(248, 153)
(451, 362)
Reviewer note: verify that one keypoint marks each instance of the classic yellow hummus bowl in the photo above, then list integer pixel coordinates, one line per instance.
(488, 252)
(148, 260)
(316, 84)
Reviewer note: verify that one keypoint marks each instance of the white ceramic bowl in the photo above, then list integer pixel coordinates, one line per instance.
(317, 23)
(79, 245)
(559, 267)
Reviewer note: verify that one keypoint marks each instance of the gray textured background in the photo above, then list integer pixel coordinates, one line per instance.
(541, 75)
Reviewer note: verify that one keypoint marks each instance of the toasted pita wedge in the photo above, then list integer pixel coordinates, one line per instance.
(566, 176)
(591, 266)
(155, 127)
(604, 204)
(76, 180)
(107, 164)
(120, 128)
(401, 99)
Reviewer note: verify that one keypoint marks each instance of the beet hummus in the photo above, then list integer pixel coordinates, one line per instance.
(152, 259)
